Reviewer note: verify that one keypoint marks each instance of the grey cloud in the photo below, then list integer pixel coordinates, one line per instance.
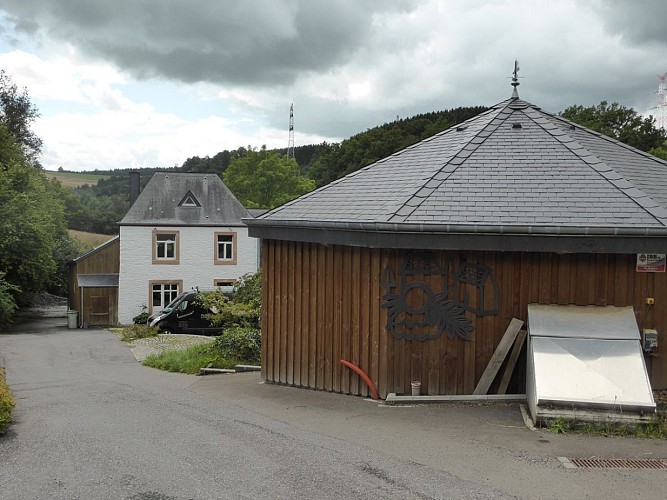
(638, 21)
(219, 41)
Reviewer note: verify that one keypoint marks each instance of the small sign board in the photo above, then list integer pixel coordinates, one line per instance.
(651, 262)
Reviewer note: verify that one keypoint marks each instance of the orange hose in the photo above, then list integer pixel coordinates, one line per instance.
(365, 377)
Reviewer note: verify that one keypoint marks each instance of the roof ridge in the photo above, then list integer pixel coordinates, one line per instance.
(438, 178)
(601, 167)
(370, 165)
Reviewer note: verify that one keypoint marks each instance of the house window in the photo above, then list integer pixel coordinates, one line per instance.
(225, 248)
(163, 292)
(225, 285)
(165, 247)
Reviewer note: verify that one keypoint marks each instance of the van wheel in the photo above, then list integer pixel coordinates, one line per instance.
(167, 331)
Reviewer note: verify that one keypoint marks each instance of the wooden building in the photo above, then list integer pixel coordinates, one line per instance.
(93, 285)
(413, 267)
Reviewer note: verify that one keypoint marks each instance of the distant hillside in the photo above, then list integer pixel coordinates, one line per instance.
(76, 179)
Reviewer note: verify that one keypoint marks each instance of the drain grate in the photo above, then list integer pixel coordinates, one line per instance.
(613, 463)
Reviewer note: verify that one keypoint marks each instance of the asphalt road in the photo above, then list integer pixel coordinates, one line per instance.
(92, 423)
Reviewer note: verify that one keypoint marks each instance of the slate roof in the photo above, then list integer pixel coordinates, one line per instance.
(512, 169)
(158, 203)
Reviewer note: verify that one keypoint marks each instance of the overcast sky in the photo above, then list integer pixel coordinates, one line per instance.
(132, 83)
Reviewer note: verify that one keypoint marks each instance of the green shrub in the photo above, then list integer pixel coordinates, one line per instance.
(189, 360)
(6, 403)
(242, 309)
(134, 332)
(142, 317)
(7, 303)
(243, 344)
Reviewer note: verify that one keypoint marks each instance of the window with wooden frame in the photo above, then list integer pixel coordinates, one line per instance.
(225, 248)
(224, 285)
(163, 292)
(166, 247)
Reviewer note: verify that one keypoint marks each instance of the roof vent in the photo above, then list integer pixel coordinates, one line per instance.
(572, 127)
(462, 128)
(516, 125)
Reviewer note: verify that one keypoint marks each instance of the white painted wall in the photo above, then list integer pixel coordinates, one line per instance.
(196, 267)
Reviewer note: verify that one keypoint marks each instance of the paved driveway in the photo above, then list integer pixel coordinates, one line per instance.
(93, 423)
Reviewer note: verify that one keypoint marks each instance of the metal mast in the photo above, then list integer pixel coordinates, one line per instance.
(290, 142)
(661, 106)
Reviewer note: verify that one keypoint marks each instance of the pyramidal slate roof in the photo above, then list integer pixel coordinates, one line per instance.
(167, 200)
(512, 170)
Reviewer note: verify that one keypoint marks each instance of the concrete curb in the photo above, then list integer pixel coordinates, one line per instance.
(236, 369)
(393, 399)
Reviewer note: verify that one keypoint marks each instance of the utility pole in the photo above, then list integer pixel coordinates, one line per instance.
(290, 142)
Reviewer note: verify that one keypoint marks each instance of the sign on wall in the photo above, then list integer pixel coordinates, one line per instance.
(651, 262)
(427, 298)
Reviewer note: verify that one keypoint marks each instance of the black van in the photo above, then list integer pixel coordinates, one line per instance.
(184, 315)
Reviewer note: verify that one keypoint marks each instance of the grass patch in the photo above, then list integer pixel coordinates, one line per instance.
(133, 332)
(190, 360)
(656, 428)
(89, 240)
(6, 403)
(76, 179)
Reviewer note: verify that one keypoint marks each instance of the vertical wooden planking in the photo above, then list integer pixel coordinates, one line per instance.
(329, 305)
(545, 274)
(580, 279)
(267, 307)
(383, 337)
(277, 310)
(621, 281)
(306, 313)
(298, 312)
(321, 315)
(313, 319)
(601, 279)
(355, 318)
(284, 307)
(563, 266)
(346, 287)
(289, 329)
(366, 305)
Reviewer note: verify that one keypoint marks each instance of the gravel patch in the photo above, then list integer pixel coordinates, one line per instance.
(142, 348)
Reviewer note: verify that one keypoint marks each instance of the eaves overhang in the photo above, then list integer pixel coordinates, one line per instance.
(515, 238)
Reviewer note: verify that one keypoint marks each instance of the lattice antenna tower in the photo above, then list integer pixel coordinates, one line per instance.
(290, 142)
(661, 106)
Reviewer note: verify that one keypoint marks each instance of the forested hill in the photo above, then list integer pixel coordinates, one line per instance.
(98, 208)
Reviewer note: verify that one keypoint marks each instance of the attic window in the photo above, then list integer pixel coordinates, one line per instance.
(516, 125)
(189, 200)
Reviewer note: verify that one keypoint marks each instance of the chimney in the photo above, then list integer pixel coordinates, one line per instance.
(134, 187)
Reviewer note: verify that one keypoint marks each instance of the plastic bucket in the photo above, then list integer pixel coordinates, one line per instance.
(72, 317)
(416, 388)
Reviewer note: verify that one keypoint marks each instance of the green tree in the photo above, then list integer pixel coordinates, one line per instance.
(31, 220)
(619, 122)
(17, 113)
(264, 179)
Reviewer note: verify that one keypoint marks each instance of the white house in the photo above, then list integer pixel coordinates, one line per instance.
(183, 231)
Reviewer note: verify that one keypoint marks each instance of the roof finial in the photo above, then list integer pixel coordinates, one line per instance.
(515, 80)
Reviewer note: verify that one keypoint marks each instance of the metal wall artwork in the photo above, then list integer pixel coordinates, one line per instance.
(417, 312)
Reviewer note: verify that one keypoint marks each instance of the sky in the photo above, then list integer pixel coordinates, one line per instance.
(150, 83)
